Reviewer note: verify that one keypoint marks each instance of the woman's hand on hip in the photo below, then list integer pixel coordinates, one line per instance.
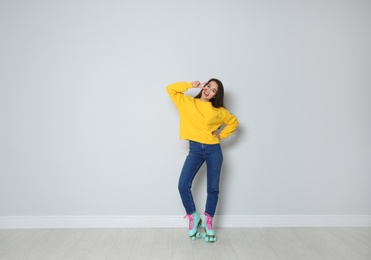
(216, 134)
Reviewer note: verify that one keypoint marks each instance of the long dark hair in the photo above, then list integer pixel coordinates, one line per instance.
(217, 100)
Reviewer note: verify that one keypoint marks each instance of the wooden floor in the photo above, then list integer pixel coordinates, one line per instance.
(173, 243)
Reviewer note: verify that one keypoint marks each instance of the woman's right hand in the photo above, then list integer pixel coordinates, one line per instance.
(197, 84)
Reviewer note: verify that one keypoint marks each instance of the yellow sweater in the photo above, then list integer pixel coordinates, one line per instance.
(198, 119)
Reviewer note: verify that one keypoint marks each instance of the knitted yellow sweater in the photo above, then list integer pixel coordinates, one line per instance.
(198, 119)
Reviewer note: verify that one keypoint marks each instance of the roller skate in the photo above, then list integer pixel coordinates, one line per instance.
(194, 223)
(207, 224)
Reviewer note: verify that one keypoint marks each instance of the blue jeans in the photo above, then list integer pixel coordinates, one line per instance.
(198, 154)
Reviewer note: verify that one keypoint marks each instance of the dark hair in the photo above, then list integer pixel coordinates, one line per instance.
(217, 100)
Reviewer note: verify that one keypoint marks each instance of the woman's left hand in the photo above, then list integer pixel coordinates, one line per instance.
(216, 134)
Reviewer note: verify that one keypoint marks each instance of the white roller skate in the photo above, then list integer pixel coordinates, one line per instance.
(207, 224)
(194, 223)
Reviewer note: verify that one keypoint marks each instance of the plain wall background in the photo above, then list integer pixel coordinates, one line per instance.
(87, 127)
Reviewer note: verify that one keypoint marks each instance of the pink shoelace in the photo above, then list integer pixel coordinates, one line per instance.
(209, 221)
(191, 220)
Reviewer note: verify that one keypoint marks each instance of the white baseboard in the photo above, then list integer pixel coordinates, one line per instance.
(168, 221)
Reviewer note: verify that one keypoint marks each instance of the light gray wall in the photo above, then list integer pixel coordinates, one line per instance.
(87, 127)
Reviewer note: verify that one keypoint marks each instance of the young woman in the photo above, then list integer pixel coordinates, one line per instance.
(200, 118)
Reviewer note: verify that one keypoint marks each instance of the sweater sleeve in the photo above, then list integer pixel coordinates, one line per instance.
(176, 90)
(231, 124)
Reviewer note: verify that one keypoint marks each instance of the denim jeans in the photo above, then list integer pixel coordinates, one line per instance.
(198, 154)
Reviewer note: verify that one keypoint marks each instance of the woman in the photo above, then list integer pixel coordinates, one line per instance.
(200, 118)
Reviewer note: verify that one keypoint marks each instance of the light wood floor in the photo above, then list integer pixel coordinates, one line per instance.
(173, 243)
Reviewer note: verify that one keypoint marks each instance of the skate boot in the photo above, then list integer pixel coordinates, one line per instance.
(207, 224)
(194, 224)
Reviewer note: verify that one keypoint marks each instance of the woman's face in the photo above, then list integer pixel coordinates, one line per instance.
(209, 91)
